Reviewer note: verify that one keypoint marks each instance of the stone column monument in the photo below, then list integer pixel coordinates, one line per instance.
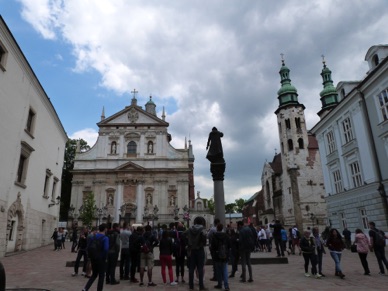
(215, 155)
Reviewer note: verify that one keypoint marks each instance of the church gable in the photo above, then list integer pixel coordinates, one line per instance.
(132, 115)
(129, 167)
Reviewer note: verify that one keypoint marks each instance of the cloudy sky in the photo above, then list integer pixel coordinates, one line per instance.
(208, 62)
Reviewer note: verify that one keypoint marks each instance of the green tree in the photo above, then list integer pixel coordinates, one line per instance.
(210, 205)
(88, 211)
(230, 208)
(67, 176)
(239, 205)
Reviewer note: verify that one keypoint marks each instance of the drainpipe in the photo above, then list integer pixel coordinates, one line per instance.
(381, 187)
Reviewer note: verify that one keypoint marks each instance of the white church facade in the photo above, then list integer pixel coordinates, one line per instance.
(133, 171)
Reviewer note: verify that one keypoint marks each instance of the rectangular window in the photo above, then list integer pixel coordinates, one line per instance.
(30, 121)
(288, 124)
(356, 174)
(347, 128)
(3, 57)
(331, 142)
(343, 220)
(21, 169)
(364, 218)
(54, 190)
(383, 103)
(337, 181)
(21, 174)
(46, 183)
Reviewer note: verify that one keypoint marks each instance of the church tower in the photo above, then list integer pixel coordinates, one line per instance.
(293, 140)
(329, 96)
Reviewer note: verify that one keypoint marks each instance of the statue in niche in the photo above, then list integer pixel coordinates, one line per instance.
(113, 148)
(214, 145)
(110, 199)
(150, 147)
(149, 199)
(172, 200)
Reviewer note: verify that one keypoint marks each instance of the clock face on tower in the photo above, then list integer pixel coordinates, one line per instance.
(133, 115)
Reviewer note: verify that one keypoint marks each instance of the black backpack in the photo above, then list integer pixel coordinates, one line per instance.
(95, 247)
(222, 252)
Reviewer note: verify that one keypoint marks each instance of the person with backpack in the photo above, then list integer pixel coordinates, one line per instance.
(196, 241)
(148, 242)
(98, 246)
(210, 234)
(113, 254)
(220, 248)
(296, 236)
(377, 245)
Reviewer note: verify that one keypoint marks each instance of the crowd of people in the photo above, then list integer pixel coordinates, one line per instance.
(101, 249)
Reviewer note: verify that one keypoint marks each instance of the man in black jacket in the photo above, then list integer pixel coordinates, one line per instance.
(246, 246)
(113, 254)
(277, 235)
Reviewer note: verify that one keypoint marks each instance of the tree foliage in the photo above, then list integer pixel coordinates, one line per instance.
(230, 208)
(88, 211)
(210, 205)
(239, 205)
(67, 176)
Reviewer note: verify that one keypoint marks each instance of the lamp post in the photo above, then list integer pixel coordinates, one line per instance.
(186, 215)
(154, 215)
(101, 212)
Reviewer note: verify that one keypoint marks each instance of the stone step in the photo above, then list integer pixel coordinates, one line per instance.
(254, 261)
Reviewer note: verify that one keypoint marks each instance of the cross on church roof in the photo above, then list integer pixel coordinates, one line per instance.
(134, 93)
(282, 55)
(323, 60)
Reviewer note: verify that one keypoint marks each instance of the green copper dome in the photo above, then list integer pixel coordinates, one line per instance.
(287, 92)
(329, 96)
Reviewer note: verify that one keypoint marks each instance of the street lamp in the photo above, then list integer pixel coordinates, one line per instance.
(186, 215)
(101, 212)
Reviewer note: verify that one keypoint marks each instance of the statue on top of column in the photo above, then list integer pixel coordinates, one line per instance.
(214, 145)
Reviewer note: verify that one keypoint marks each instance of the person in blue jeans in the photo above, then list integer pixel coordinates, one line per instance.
(336, 245)
(220, 253)
(81, 252)
(98, 263)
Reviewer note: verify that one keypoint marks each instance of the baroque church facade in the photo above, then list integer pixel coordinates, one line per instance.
(293, 191)
(134, 172)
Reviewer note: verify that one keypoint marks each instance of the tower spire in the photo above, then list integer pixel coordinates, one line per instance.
(329, 96)
(287, 94)
(103, 113)
(134, 100)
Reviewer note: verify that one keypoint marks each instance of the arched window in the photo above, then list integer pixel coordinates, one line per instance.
(297, 122)
(268, 193)
(288, 124)
(376, 60)
(131, 147)
(300, 143)
(290, 145)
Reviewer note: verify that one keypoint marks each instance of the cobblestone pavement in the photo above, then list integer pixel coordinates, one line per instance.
(45, 269)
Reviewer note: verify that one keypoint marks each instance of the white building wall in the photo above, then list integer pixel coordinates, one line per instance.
(19, 91)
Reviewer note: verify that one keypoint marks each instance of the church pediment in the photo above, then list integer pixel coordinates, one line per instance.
(130, 166)
(132, 115)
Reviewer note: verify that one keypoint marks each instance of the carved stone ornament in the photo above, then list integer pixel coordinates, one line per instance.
(133, 115)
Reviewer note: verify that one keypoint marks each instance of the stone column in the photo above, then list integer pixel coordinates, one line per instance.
(140, 201)
(218, 170)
